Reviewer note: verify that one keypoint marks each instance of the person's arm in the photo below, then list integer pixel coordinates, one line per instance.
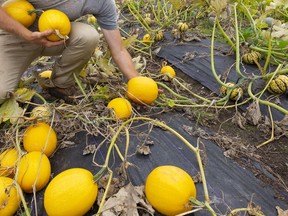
(119, 53)
(9, 24)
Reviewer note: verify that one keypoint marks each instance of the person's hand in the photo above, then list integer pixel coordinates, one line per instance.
(40, 38)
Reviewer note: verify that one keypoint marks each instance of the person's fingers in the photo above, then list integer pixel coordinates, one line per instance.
(46, 33)
(40, 38)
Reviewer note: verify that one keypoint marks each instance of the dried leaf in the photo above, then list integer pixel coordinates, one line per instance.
(284, 121)
(97, 53)
(67, 143)
(89, 149)
(281, 212)
(231, 153)
(126, 202)
(114, 187)
(255, 210)
(191, 37)
(253, 113)
(239, 120)
(280, 32)
(281, 3)
(137, 63)
(145, 150)
(265, 127)
(10, 110)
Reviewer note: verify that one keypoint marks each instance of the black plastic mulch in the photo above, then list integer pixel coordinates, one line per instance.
(230, 186)
(199, 67)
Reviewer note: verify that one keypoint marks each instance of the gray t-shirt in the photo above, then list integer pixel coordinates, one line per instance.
(103, 10)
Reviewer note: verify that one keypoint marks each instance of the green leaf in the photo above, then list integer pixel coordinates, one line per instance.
(106, 67)
(102, 92)
(129, 41)
(218, 5)
(10, 110)
(171, 103)
(23, 94)
(281, 43)
(177, 4)
(247, 32)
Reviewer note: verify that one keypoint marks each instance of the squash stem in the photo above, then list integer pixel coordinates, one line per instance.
(192, 93)
(235, 211)
(171, 91)
(237, 43)
(35, 11)
(99, 173)
(191, 147)
(268, 55)
(212, 57)
(281, 109)
(62, 37)
(26, 209)
(105, 193)
(224, 34)
(41, 98)
(247, 13)
(80, 86)
(20, 153)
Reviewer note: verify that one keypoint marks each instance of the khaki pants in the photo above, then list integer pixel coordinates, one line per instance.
(16, 55)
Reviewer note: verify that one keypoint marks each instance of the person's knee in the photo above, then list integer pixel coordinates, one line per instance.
(85, 35)
(91, 37)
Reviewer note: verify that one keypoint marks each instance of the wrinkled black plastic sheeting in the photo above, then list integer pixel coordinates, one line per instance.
(199, 68)
(229, 185)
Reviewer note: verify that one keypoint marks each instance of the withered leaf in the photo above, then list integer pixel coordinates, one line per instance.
(144, 150)
(239, 120)
(281, 212)
(10, 110)
(106, 67)
(138, 65)
(23, 94)
(89, 149)
(126, 202)
(253, 113)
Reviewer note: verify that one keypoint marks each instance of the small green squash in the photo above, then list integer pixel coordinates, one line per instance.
(235, 94)
(251, 57)
(278, 85)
